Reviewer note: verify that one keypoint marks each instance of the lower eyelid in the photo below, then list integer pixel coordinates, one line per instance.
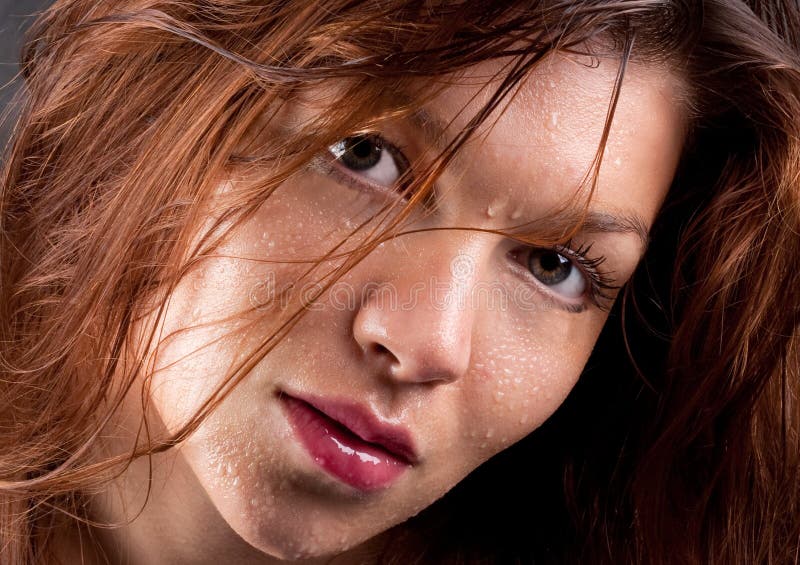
(581, 303)
(326, 166)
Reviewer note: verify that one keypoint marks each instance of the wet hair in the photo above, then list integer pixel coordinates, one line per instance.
(679, 444)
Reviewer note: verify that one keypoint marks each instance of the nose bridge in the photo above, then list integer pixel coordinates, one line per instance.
(425, 335)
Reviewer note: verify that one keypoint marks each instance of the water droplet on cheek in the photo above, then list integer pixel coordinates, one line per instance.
(552, 122)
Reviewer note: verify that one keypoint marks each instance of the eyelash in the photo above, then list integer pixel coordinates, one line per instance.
(601, 284)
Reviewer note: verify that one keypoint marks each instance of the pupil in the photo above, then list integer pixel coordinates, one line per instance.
(550, 261)
(361, 147)
(361, 152)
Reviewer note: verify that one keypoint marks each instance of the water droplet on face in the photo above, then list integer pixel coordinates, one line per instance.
(552, 122)
(516, 213)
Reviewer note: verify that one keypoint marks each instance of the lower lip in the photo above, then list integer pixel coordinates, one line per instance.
(362, 465)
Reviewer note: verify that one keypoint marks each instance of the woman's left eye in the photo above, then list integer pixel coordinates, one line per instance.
(370, 158)
(557, 272)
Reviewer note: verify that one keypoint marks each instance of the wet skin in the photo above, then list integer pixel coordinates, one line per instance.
(463, 378)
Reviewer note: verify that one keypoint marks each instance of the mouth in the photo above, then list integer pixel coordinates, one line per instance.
(349, 442)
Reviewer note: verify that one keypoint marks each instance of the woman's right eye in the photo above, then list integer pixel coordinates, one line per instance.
(370, 159)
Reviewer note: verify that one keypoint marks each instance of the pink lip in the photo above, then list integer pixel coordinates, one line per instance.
(349, 442)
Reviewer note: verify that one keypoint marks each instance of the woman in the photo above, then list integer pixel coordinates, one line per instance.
(278, 276)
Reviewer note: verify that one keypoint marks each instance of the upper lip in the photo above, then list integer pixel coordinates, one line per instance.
(366, 425)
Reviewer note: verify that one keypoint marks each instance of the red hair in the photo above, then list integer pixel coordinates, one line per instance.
(135, 109)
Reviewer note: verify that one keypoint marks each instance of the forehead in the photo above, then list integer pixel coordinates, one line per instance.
(541, 144)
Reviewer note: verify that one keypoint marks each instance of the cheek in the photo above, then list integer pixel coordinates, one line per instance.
(230, 299)
(521, 376)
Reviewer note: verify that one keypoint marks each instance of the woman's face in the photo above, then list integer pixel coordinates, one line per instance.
(438, 350)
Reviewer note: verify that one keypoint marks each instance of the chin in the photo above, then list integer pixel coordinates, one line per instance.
(300, 539)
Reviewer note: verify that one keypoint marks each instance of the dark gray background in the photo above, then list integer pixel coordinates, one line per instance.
(15, 16)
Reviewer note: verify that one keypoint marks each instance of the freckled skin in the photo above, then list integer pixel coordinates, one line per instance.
(466, 382)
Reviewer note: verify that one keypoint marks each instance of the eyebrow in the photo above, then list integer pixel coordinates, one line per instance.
(434, 130)
(604, 222)
(432, 126)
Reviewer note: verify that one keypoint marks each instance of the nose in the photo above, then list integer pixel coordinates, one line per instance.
(418, 325)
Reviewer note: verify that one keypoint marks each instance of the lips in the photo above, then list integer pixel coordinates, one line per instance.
(349, 442)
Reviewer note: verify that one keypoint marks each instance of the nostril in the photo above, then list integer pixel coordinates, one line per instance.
(379, 349)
